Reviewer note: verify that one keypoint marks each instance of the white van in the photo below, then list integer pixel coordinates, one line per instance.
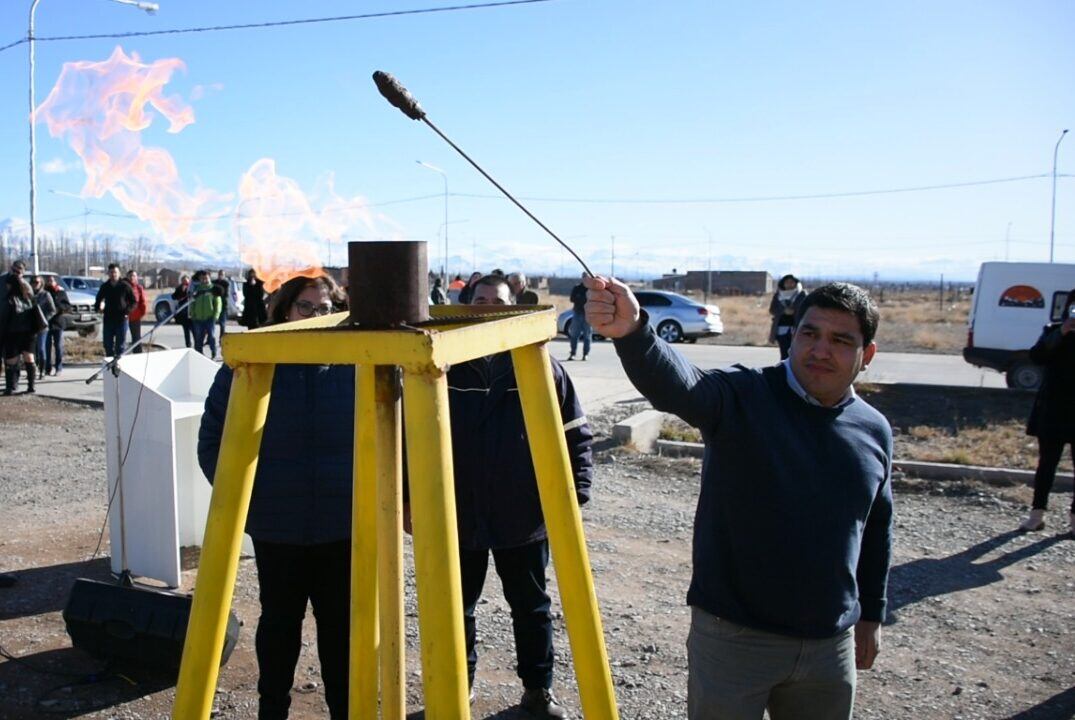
(1012, 303)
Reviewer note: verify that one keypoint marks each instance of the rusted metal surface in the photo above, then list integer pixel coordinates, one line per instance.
(389, 283)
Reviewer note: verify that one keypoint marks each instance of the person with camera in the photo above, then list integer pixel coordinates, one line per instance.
(1052, 419)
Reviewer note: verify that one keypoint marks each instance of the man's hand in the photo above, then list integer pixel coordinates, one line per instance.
(1067, 327)
(611, 307)
(867, 643)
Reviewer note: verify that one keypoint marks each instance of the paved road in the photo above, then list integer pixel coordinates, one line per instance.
(601, 381)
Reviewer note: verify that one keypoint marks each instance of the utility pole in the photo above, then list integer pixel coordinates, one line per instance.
(940, 294)
(708, 266)
(1052, 221)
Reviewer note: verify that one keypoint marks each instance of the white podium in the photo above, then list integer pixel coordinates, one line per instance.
(159, 496)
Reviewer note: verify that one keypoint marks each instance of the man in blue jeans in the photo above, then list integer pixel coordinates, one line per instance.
(117, 297)
(793, 531)
(204, 312)
(579, 325)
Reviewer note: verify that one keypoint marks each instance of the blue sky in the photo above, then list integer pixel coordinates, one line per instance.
(611, 100)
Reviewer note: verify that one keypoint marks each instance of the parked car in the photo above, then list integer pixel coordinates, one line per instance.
(82, 283)
(164, 305)
(674, 317)
(80, 318)
(1012, 303)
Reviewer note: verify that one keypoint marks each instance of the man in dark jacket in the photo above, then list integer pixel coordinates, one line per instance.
(118, 300)
(1052, 421)
(793, 532)
(222, 289)
(57, 325)
(497, 504)
(523, 295)
(580, 326)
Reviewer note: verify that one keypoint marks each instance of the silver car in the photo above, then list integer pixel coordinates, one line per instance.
(674, 317)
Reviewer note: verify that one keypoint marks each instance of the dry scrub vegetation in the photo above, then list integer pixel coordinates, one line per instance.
(965, 426)
(910, 322)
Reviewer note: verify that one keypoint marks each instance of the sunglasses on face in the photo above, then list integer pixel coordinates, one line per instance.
(307, 309)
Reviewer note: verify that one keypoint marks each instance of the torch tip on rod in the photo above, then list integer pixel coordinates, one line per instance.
(394, 92)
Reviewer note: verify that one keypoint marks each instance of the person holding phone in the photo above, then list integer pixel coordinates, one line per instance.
(1052, 419)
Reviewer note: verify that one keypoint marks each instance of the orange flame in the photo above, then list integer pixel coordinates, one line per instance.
(100, 108)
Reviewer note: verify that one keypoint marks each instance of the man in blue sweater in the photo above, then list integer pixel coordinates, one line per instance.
(793, 531)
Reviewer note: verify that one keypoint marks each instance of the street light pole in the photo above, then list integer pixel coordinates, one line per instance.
(33, 148)
(444, 177)
(1052, 220)
(148, 7)
(708, 266)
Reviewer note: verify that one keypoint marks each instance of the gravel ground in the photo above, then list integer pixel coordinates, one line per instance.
(983, 626)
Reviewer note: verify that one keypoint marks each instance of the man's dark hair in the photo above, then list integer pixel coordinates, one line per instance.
(112, 265)
(497, 271)
(18, 266)
(848, 298)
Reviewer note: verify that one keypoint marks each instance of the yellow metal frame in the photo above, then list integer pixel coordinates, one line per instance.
(457, 334)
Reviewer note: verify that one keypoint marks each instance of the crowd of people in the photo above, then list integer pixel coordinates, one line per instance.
(785, 445)
(33, 312)
(749, 624)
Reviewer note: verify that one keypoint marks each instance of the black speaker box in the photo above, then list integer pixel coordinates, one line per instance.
(135, 626)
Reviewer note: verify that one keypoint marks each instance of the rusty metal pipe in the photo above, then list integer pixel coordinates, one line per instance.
(388, 283)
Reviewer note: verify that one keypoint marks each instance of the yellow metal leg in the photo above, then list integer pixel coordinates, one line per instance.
(548, 446)
(389, 543)
(436, 545)
(233, 482)
(362, 703)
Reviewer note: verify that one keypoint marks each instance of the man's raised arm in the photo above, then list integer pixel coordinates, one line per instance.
(662, 375)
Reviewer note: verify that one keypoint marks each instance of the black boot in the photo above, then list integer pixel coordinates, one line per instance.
(31, 377)
(9, 379)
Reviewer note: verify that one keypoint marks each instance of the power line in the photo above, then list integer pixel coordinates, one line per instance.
(277, 23)
(762, 198)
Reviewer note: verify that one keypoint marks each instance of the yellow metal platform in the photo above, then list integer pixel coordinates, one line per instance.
(455, 333)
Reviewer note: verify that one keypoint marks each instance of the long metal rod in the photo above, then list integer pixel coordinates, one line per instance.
(112, 363)
(34, 261)
(508, 195)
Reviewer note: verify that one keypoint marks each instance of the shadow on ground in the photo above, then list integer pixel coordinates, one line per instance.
(1059, 707)
(917, 580)
(67, 683)
(45, 589)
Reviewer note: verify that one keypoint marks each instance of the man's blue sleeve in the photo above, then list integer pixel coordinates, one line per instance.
(875, 555)
(577, 432)
(669, 381)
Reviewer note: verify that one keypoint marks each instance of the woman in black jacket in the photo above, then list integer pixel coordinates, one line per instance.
(254, 312)
(18, 333)
(785, 304)
(180, 295)
(300, 508)
(1052, 420)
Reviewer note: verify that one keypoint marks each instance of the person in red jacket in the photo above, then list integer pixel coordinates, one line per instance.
(138, 310)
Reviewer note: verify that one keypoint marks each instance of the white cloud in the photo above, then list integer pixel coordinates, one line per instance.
(57, 166)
